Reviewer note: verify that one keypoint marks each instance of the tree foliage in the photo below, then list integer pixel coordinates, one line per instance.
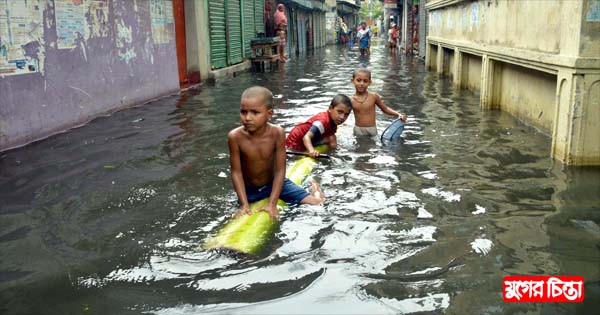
(375, 7)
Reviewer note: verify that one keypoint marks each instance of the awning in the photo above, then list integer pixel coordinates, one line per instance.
(316, 5)
(346, 8)
(306, 4)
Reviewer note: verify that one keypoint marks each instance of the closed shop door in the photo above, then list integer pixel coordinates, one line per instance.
(234, 31)
(218, 35)
(259, 11)
(248, 22)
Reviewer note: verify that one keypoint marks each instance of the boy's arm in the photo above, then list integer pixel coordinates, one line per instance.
(237, 177)
(307, 140)
(386, 109)
(279, 175)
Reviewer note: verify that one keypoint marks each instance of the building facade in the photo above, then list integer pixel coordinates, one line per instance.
(348, 11)
(538, 60)
(63, 63)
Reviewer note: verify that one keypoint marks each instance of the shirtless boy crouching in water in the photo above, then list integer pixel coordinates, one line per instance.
(257, 158)
(363, 104)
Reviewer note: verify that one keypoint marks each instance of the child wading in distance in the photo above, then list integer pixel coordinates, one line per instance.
(282, 42)
(363, 104)
(257, 158)
(321, 128)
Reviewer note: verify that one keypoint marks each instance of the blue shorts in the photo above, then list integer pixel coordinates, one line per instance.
(290, 193)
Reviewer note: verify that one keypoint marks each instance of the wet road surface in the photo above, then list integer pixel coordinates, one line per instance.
(109, 218)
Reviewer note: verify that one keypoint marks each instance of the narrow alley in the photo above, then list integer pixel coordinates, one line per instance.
(108, 218)
(123, 187)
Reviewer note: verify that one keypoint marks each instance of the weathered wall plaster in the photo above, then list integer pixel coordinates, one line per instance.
(94, 57)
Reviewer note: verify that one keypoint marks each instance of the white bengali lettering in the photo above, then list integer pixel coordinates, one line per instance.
(572, 289)
(554, 287)
(512, 290)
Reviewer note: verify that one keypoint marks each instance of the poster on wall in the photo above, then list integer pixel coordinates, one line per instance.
(97, 19)
(161, 13)
(70, 22)
(80, 19)
(21, 36)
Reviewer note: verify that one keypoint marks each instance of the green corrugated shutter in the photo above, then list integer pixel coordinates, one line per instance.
(248, 7)
(259, 11)
(318, 24)
(218, 36)
(234, 32)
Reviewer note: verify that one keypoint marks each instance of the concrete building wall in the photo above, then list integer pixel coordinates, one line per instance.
(73, 61)
(528, 95)
(423, 21)
(589, 45)
(471, 72)
(502, 23)
(197, 38)
(538, 60)
(591, 123)
(448, 60)
(330, 22)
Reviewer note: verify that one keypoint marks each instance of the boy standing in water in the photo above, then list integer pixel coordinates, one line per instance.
(321, 128)
(363, 103)
(257, 158)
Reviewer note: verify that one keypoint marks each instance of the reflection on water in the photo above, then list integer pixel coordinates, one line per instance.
(108, 218)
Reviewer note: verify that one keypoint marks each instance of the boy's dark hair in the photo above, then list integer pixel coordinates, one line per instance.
(255, 91)
(341, 99)
(359, 70)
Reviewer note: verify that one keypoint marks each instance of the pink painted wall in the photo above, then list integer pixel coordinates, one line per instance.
(73, 62)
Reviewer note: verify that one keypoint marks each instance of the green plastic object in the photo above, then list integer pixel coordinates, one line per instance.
(249, 233)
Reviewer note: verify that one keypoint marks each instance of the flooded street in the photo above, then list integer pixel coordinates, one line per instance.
(109, 218)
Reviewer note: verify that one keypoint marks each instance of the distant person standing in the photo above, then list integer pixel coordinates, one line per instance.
(280, 17)
(393, 37)
(376, 30)
(343, 32)
(364, 39)
(281, 30)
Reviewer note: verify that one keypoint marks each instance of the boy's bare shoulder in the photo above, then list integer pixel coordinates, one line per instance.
(374, 94)
(375, 97)
(235, 133)
(276, 130)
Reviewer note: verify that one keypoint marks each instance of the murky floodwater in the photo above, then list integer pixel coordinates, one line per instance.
(108, 218)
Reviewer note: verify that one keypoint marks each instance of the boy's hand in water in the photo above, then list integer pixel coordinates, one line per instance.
(272, 211)
(244, 210)
(313, 153)
(402, 117)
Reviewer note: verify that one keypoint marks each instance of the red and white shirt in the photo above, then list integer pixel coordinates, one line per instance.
(320, 125)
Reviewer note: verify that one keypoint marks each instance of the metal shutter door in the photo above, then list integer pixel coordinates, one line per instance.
(234, 32)
(218, 38)
(259, 23)
(248, 22)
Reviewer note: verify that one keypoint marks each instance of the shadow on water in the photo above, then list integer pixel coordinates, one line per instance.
(109, 218)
